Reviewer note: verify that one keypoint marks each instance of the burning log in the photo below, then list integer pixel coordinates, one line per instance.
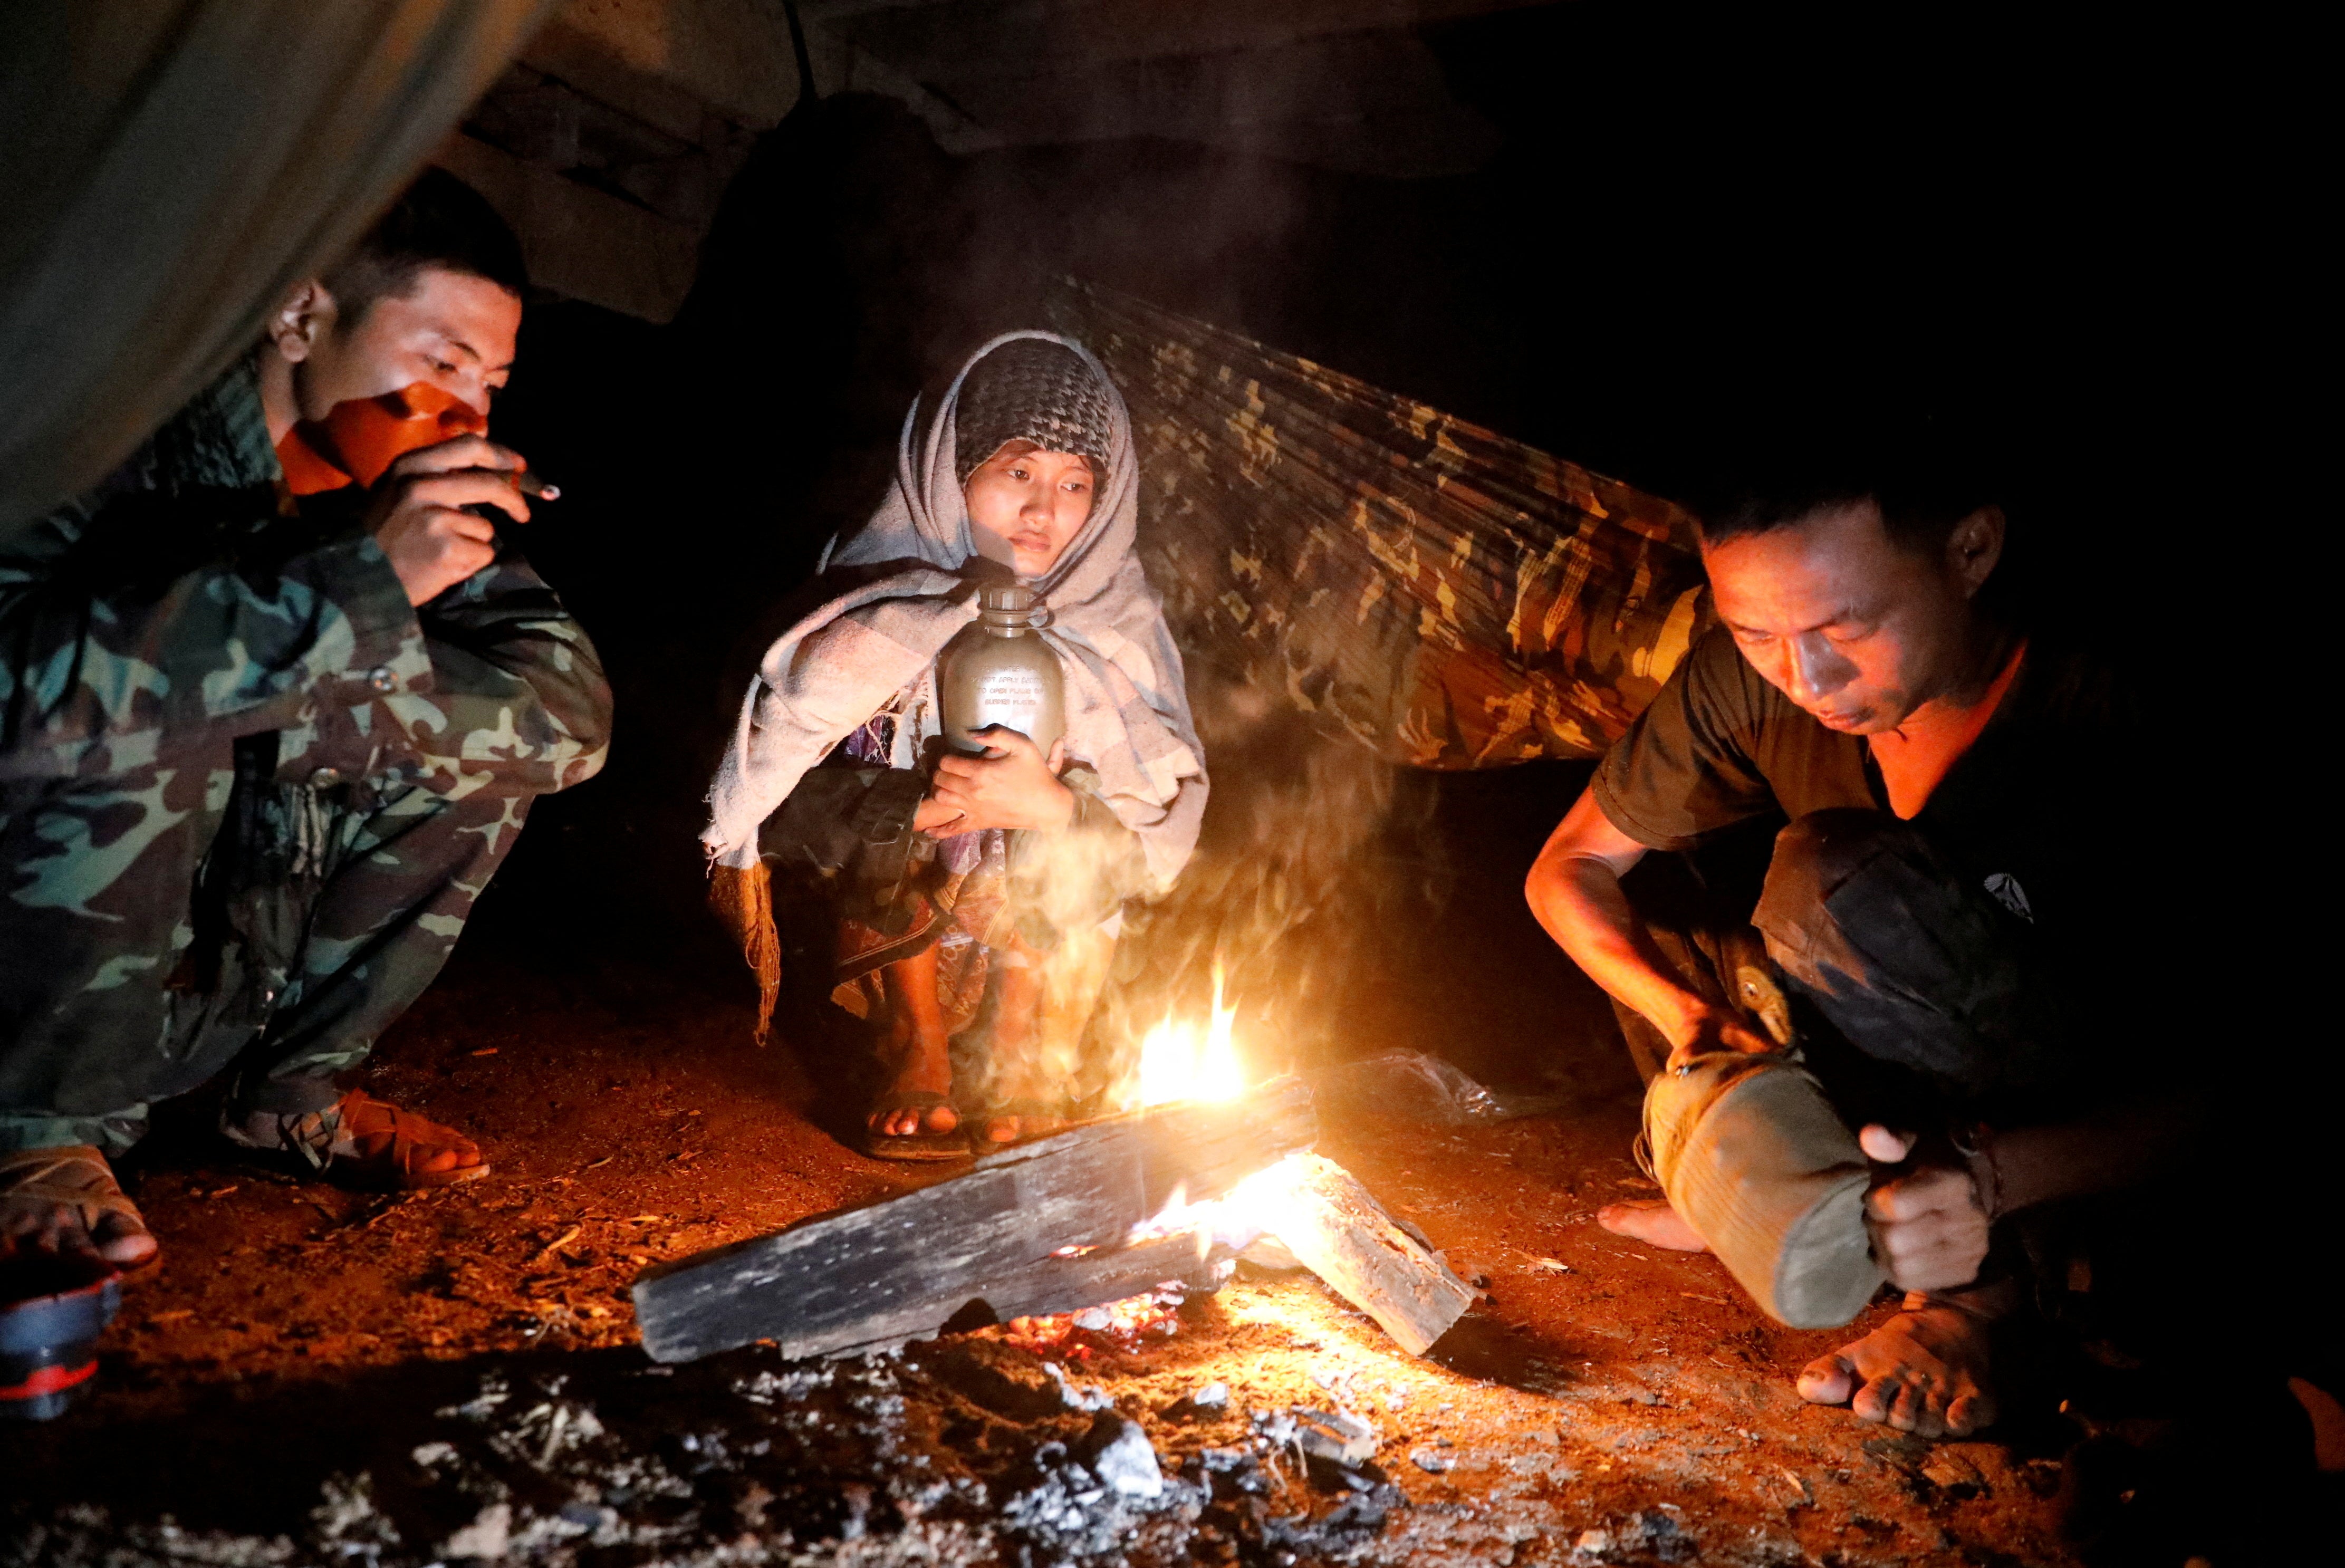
(1341, 1233)
(1038, 1228)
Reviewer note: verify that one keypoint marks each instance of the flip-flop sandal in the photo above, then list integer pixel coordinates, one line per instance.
(918, 1146)
(75, 1175)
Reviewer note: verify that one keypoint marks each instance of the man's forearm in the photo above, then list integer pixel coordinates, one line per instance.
(101, 670)
(2121, 1148)
(1579, 900)
(518, 692)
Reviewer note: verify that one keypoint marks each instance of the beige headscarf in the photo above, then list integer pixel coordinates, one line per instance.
(901, 598)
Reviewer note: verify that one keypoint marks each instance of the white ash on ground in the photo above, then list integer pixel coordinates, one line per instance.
(1620, 1411)
(971, 1450)
(743, 1460)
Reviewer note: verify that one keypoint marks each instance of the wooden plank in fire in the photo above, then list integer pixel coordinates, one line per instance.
(875, 1275)
(1336, 1229)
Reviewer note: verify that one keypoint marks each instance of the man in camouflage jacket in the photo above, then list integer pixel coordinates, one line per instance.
(259, 756)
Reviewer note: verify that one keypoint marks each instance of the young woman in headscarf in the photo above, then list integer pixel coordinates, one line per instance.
(974, 899)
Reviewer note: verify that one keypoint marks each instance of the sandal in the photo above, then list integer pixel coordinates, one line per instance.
(364, 1142)
(74, 1178)
(915, 1145)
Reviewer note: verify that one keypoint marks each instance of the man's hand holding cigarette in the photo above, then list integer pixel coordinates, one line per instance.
(420, 514)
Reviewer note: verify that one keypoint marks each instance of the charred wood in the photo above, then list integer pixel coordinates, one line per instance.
(1040, 1227)
(1338, 1230)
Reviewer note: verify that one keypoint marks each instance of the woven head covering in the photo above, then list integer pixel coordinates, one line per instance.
(900, 591)
(1030, 390)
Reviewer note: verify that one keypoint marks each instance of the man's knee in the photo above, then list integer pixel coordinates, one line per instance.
(1909, 959)
(1816, 857)
(387, 917)
(1820, 852)
(417, 831)
(412, 864)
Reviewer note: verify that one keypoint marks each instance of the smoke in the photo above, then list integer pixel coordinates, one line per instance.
(1313, 847)
(854, 261)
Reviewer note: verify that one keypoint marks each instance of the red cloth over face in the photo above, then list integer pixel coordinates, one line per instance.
(359, 439)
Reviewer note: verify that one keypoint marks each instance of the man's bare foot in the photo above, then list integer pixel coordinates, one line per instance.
(1923, 1372)
(361, 1142)
(376, 1145)
(65, 1200)
(1650, 1220)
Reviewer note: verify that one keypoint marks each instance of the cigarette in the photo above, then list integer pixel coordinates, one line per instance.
(529, 484)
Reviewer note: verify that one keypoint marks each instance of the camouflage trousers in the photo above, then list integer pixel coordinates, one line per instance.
(159, 929)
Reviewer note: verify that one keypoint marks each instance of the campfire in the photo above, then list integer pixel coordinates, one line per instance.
(1160, 1198)
(1176, 1064)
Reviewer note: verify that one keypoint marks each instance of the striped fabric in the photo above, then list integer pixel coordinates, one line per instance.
(1451, 597)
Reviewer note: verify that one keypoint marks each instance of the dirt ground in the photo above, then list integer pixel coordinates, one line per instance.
(291, 1383)
(313, 1376)
(319, 1376)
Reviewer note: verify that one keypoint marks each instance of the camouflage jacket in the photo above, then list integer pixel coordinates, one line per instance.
(181, 607)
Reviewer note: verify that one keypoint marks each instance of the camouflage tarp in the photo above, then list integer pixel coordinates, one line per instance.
(1451, 597)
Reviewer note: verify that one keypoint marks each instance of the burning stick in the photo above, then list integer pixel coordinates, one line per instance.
(1341, 1233)
(1099, 1214)
(1040, 1228)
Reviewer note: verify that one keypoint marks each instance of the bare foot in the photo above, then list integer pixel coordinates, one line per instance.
(376, 1145)
(918, 1051)
(1003, 1130)
(1923, 1372)
(66, 1201)
(2328, 1424)
(926, 1072)
(362, 1142)
(1650, 1220)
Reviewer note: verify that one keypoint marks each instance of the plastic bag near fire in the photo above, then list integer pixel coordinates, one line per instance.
(1426, 1089)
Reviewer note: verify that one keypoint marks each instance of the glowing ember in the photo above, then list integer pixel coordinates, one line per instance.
(1117, 1326)
(1174, 1065)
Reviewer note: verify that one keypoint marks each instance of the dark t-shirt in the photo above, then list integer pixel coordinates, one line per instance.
(2051, 807)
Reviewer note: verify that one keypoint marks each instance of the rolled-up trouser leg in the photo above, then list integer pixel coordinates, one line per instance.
(408, 867)
(1753, 1157)
(1909, 960)
(1910, 965)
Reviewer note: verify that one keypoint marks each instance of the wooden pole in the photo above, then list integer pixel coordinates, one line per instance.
(1339, 1232)
(1039, 1228)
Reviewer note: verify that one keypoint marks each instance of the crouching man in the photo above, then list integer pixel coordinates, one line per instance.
(274, 701)
(1952, 932)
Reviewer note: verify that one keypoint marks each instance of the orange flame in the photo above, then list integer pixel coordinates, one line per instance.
(1174, 1065)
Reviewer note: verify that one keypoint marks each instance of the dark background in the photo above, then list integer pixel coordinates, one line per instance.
(1708, 227)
